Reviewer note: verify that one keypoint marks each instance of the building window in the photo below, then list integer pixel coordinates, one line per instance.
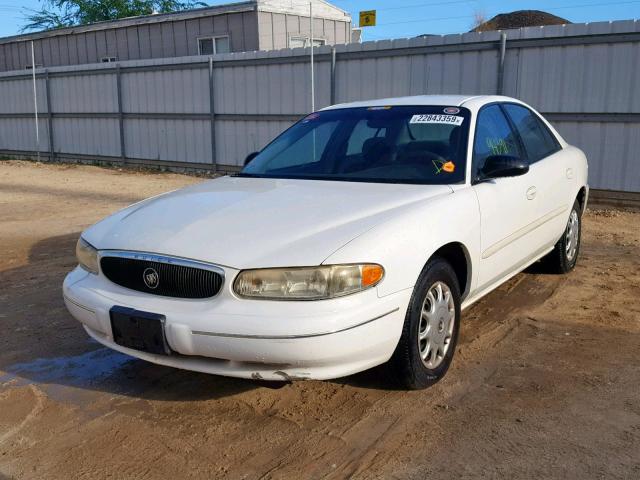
(213, 45)
(300, 41)
(109, 59)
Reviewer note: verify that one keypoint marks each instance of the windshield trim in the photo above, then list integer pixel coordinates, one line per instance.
(397, 181)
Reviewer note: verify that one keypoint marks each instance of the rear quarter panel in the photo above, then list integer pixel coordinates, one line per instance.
(577, 161)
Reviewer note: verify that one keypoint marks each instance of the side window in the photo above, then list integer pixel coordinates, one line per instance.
(213, 45)
(538, 140)
(297, 42)
(494, 136)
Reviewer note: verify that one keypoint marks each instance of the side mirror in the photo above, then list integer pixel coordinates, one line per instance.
(250, 157)
(498, 166)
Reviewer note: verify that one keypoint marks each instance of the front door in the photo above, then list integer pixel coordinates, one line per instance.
(507, 205)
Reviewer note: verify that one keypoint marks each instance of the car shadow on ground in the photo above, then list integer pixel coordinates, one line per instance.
(46, 346)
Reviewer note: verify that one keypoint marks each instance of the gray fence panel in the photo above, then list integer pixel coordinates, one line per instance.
(86, 136)
(84, 94)
(18, 134)
(468, 72)
(17, 96)
(168, 91)
(270, 88)
(168, 140)
(584, 74)
(616, 144)
(585, 85)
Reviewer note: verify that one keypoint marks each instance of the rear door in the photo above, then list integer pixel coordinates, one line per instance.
(550, 171)
(507, 207)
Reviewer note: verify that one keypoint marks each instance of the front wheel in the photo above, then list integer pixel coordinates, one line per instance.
(430, 330)
(564, 256)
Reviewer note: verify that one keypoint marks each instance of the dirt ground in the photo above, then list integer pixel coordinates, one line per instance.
(546, 382)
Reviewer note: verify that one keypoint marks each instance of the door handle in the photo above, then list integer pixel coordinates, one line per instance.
(569, 173)
(531, 193)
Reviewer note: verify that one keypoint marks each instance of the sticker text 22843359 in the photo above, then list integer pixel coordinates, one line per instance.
(437, 118)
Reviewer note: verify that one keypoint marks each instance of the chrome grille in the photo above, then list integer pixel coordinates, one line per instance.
(164, 276)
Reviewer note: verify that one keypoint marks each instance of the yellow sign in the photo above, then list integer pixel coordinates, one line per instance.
(368, 18)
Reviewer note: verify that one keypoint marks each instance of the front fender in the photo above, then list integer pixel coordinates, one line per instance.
(403, 244)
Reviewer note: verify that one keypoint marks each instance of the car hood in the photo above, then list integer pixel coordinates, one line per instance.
(244, 222)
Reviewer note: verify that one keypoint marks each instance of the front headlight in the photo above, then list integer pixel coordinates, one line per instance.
(87, 256)
(307, 283)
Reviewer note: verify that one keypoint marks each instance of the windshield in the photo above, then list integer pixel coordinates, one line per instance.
(402, 144)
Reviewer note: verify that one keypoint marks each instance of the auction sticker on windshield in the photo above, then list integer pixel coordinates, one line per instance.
(435, 118)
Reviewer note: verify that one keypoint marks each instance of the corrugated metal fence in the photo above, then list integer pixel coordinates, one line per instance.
(208, 113)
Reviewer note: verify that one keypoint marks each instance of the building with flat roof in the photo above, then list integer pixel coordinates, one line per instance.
(234, 27)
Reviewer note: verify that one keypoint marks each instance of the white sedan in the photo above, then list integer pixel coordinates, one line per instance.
(354, 239)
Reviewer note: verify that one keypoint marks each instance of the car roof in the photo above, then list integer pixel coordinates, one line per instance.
(471, 101)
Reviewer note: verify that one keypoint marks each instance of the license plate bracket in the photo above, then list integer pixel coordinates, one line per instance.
(138, 330)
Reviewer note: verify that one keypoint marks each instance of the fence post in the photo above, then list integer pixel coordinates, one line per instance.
(333, 75)
(47, 90)
(212, 115)
(123, 153)
(503, 49)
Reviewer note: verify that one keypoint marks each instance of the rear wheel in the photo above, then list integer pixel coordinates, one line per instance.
(564, 256)
(430, 331)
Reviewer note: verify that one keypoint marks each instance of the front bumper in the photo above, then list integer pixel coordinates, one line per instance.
(251, 338)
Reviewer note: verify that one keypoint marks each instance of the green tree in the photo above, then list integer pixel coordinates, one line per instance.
(68, 13)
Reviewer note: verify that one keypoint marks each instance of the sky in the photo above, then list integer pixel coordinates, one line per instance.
(408, 18)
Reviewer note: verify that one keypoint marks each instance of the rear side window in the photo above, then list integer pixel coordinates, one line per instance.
(536, 137)
(494, 136)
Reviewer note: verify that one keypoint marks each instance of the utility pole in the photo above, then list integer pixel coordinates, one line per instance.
(35, 98)
(313, 93)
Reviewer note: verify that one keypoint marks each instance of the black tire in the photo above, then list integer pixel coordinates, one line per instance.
(406, 366)
(558, 260)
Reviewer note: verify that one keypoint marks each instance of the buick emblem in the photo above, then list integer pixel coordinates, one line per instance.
(151, 278)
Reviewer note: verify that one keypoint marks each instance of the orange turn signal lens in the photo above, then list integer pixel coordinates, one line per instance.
(371, 274)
